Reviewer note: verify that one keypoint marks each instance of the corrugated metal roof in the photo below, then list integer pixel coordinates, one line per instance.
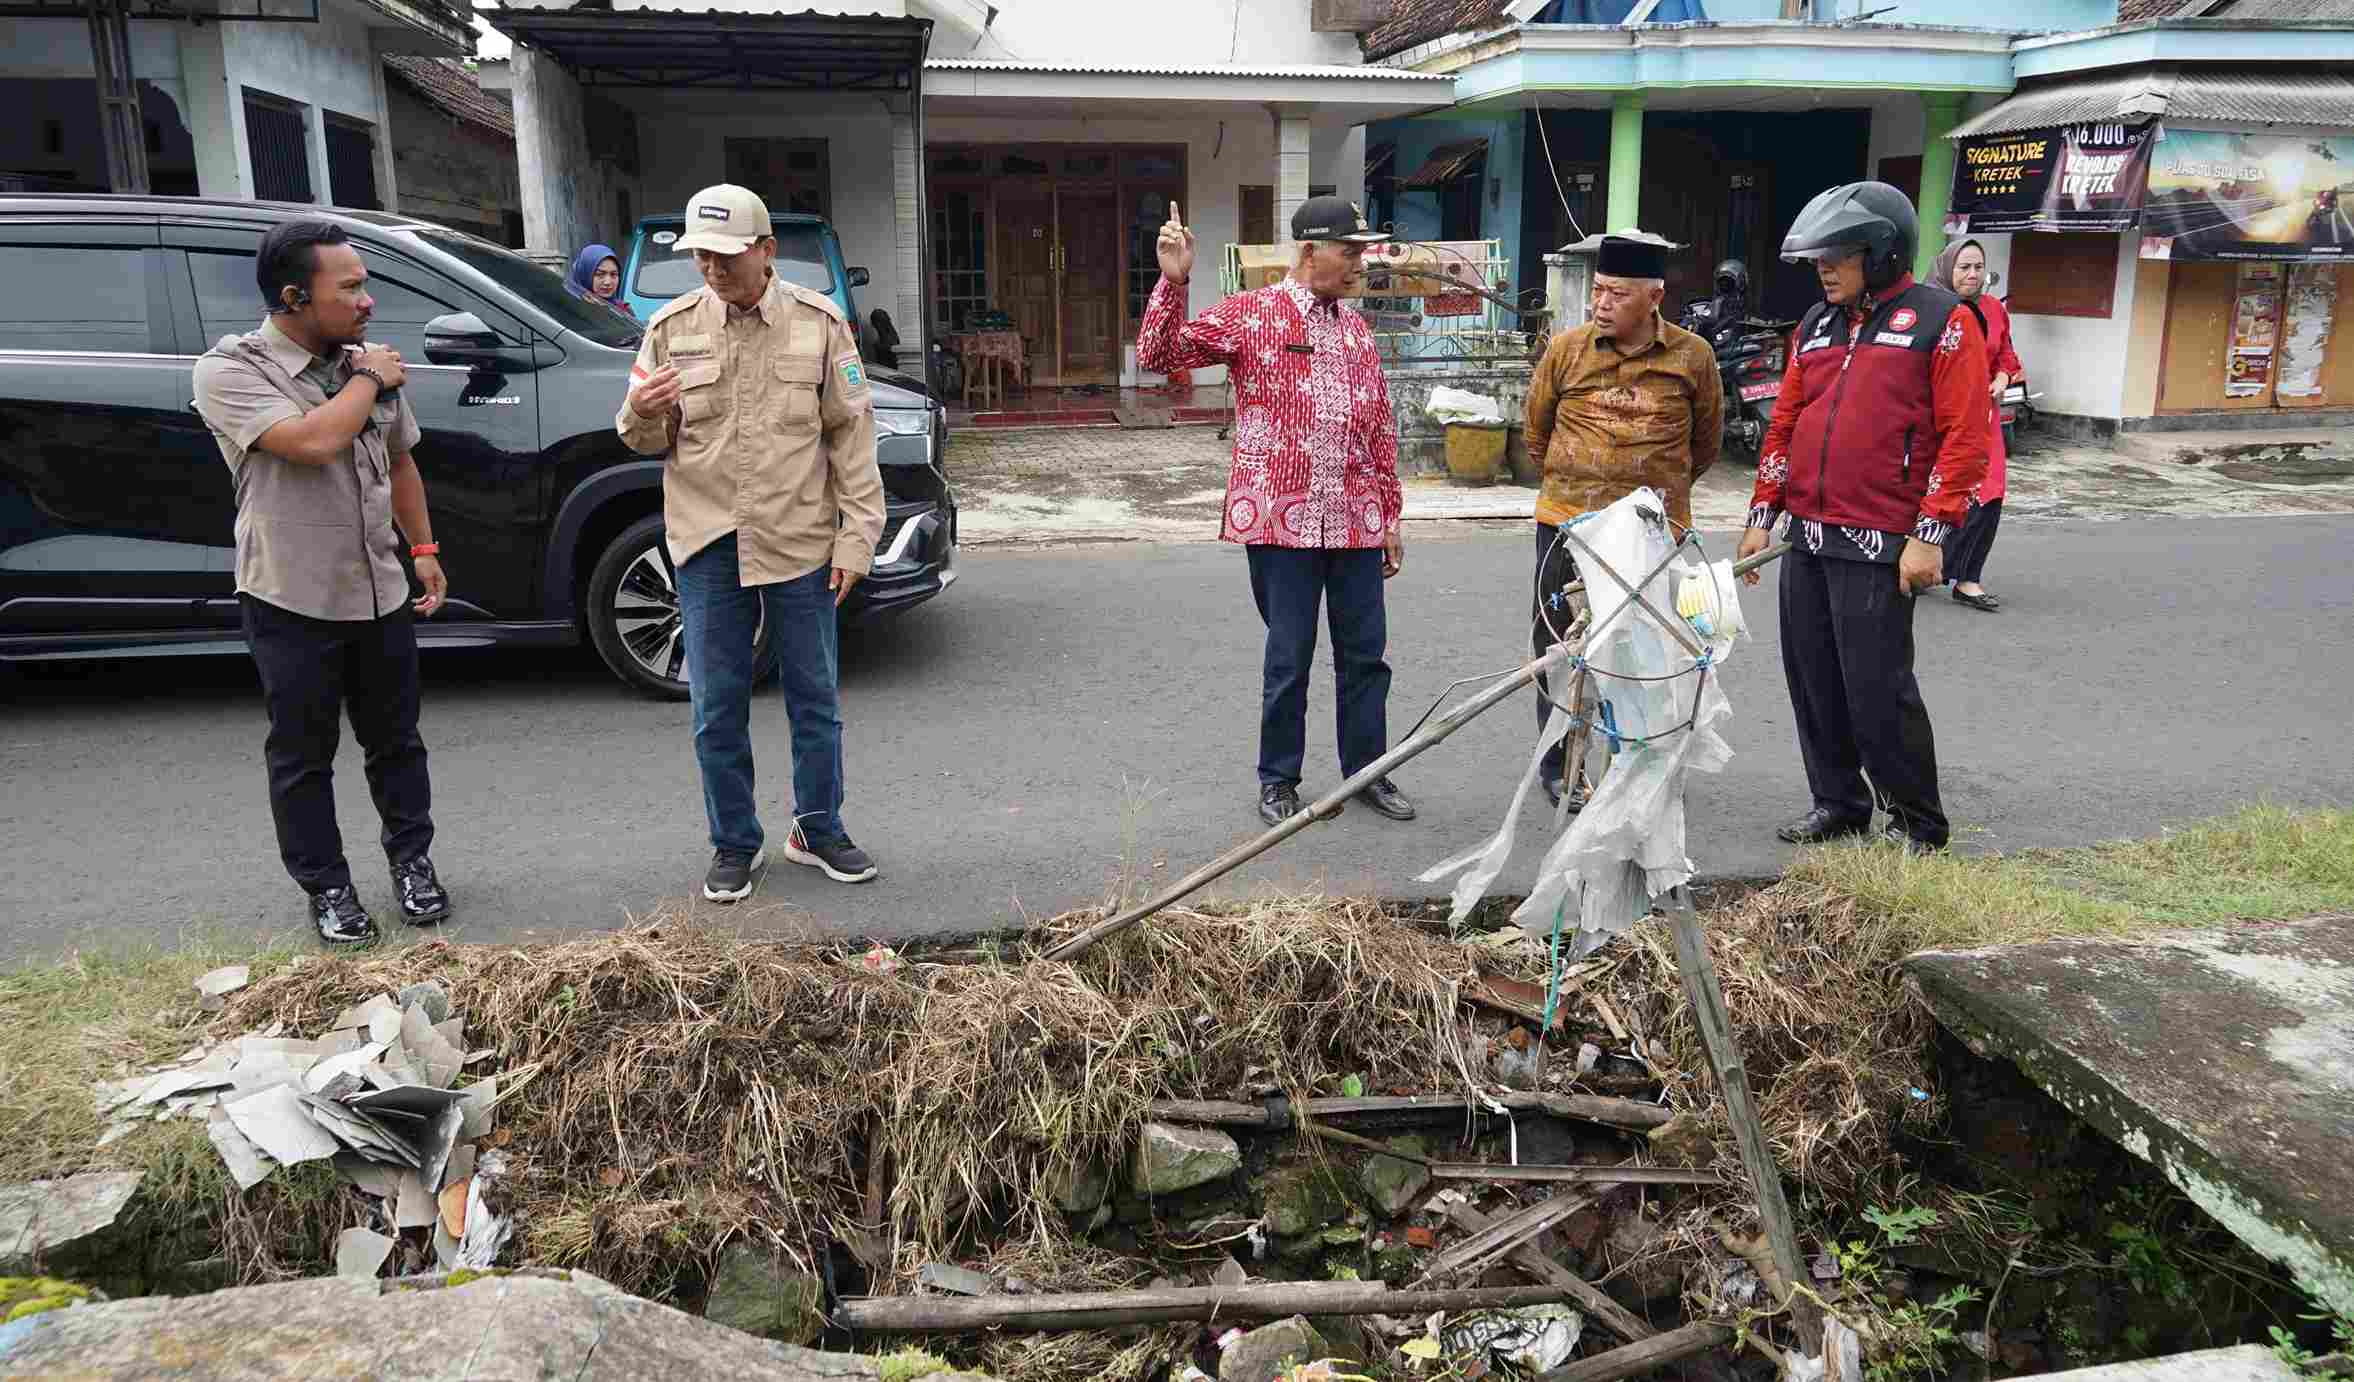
(2262, 98)
(445, 83)
(1446, 163)
(2274, 10)
(1311, 72)
(719, 50)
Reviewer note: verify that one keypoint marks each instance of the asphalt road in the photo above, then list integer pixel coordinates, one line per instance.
(1071, 721)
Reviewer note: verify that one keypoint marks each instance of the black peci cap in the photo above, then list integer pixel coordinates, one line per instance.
(1333, 218)
(1622, 257)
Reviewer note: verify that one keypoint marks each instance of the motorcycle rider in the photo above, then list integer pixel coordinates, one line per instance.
(1730, 306)
(1878, 437)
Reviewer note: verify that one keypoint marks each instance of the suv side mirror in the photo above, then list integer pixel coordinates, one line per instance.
(460, 338)
(859, 278)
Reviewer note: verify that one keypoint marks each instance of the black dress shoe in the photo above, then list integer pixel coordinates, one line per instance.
(1980, 601)
(339, 917)
(1821, 824)
(1278, 802)
(1383, 796)
(1894, 833)
(423, 901)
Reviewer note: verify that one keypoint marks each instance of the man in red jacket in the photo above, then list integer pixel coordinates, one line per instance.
(1877, 440)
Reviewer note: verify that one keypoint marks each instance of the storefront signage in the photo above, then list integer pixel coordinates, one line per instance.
(2227, 194)
(2073, 177)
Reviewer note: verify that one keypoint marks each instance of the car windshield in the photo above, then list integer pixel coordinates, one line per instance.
(540, 286)
(665, 271)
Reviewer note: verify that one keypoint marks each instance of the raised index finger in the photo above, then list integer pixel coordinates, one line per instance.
(1174, 218)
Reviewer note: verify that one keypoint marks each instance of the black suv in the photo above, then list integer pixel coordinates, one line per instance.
(116, 513)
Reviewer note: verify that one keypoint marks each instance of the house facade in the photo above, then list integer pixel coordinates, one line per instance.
(274, 100)
(977, 160)
(1713, 121)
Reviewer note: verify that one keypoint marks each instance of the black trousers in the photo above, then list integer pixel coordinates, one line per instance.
(1847, 651)
(313, 671)
(1288, 583)
(1548, 611)
(1965, 559)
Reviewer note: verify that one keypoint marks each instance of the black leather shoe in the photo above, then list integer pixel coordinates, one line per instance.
(1983, 600)
(1383, 796)
(1819, 825)
(340, 919)
(423, 901)
(1894, 833)
(1278, 802)
(1553, 786)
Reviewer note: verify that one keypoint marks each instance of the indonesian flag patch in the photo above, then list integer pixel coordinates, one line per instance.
(1902, 319)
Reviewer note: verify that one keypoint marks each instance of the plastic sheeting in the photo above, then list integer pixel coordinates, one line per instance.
(1664, 712)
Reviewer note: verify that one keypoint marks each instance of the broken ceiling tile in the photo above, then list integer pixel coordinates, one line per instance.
(414, 1207)
(173, 1082)
(361, 1014)
(222, 982)
(436, 1148)
(248, 1165)
(276, 1121)
(361, 1252)
(481, 1097)
(352, 1062)
(461, 1165)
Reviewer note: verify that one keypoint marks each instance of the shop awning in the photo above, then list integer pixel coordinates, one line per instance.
(722, 51)
(2145, 93)
(1446, 163)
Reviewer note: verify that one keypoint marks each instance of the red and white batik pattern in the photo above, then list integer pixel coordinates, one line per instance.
(1315, 442)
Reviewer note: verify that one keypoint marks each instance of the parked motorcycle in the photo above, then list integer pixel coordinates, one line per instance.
(1751, 355)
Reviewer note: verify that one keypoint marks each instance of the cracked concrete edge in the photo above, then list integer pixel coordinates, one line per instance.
(2323, 1274)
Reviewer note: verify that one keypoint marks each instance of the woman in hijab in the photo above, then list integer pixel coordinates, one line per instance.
(1962, 270)
(596, 275)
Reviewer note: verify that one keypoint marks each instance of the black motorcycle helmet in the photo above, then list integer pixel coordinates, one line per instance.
(1871, 216)
(1732, 279)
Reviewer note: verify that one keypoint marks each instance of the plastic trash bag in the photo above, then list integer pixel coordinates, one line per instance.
(1534, 1337)
(1450, 404)
(1664, 713)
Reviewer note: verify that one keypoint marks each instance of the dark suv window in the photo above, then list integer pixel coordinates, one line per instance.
(665, 271)
(228, 302)
(541, 287)
(72, 297)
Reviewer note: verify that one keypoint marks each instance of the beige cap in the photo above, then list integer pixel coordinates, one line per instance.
(725, 219)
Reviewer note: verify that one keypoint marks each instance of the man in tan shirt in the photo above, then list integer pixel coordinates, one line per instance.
(771, 508)
(310, 419)
(1624, 401)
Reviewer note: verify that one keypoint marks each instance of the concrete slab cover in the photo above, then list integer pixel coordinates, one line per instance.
(2223, 1057)
(2247, 1363)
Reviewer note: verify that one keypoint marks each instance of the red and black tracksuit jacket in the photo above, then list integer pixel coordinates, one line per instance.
(1879, 433)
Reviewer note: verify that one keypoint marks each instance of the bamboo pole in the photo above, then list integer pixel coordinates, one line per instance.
(1325, 807)
(1109, 1309)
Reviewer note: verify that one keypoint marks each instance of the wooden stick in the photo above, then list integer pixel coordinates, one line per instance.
(1605, 1109)
(1706, 993)
(1107, 1309)
(1430, 736)
(1614, 1316)
(1504, 1234)
(1578, 1175)
(1350, 1139)
(1638, 1358)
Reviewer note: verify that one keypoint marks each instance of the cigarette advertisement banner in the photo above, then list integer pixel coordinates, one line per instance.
(2225, 194)
(2075, 177)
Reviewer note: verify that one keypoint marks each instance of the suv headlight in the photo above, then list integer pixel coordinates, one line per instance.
(903, 422)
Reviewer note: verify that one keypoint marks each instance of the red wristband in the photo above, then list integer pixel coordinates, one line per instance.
(426, 549)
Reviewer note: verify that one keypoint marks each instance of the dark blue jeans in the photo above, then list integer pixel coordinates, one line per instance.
(721, 619)
(1288, 583)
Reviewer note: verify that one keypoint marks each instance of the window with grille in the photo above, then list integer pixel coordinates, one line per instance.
(351, 163)
(960, 256)
(277, 148)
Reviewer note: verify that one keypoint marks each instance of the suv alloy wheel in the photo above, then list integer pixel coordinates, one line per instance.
(633, 614)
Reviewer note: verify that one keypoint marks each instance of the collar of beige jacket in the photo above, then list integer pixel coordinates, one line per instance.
(770, 303)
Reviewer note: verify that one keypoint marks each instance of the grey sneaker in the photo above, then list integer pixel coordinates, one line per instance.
(732, 870)
(837, 858)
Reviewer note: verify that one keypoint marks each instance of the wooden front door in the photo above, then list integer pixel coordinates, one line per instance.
(1088, 223)
(1023, 273)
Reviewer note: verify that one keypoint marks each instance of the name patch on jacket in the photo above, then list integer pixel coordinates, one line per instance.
(1817, 343)
(1894, 338)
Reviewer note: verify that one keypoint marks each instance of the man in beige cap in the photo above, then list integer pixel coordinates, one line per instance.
(771, 506)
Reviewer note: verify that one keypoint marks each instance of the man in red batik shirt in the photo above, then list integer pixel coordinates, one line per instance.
(1313, 496)
(1878, 437)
